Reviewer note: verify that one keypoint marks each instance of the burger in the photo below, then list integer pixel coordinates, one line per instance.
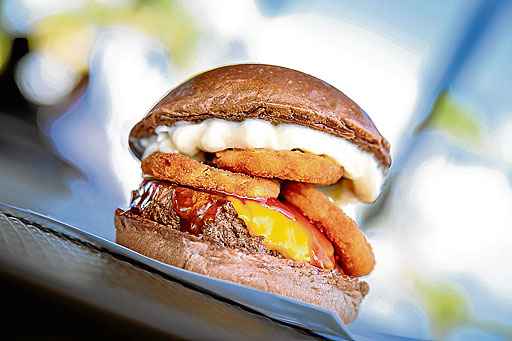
(247, 170)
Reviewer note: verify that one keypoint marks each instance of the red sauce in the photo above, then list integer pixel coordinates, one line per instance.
(143, 196)
(195, 208)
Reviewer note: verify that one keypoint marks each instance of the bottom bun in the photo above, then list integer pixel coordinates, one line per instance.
(329, 289)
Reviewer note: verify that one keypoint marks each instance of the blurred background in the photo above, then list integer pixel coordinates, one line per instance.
(435, 76)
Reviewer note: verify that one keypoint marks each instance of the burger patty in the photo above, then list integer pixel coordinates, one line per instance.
(217, 223)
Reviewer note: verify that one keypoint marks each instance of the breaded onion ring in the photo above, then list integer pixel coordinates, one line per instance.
(185, 171)
(350, 243)
(283, 164)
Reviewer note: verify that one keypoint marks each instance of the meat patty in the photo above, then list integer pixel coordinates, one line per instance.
(156, 201)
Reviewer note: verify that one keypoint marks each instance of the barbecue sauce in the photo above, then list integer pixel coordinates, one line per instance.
(195, 208)
(142, 197)
(283, 227)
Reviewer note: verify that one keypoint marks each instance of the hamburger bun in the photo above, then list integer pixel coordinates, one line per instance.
(329, 289)
(272, 93)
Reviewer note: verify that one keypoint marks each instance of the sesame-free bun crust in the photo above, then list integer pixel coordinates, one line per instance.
(272, 93)
(329, 289)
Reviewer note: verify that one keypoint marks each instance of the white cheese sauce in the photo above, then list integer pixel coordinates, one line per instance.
(213, 135)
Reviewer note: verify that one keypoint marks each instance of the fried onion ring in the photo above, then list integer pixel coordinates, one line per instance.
(283, 164)
(185, 171)
(350, 243)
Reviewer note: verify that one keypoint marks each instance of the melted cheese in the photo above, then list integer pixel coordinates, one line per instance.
(290, 237)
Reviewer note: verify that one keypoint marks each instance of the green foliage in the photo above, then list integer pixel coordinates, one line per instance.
(451, 117)
(5, 48)
(162, 19)
(446, 306)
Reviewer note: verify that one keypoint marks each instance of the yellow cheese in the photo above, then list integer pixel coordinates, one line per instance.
(280, 232)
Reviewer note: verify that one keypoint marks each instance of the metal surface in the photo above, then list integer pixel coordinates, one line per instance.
(69, 267)
(280, 308)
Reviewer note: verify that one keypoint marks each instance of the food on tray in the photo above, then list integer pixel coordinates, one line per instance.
(234, 163)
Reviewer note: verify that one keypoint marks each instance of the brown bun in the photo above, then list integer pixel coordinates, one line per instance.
(328, 289)
(272, 93)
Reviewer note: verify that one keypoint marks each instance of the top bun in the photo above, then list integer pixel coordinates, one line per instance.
(271, 93)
